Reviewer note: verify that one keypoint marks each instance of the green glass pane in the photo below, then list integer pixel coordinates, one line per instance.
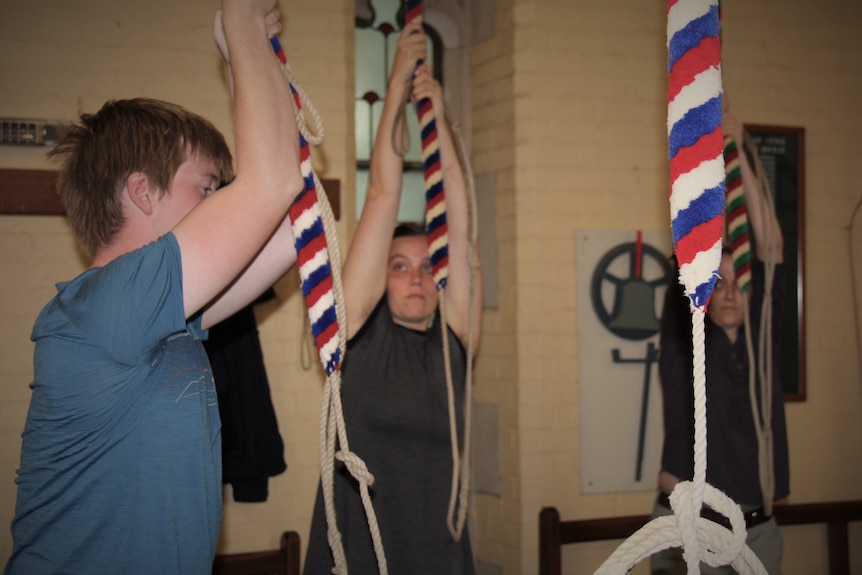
(367, 120)
(361, 187)
(412, 207)
(415, 152)
(371, 68)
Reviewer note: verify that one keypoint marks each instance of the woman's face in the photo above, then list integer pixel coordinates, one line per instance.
(410, 287)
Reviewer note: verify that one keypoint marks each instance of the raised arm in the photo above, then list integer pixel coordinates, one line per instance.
(279, 253)
(761, 215)
(364, 275)
(273, 261)
(222, 235)
(458, 217)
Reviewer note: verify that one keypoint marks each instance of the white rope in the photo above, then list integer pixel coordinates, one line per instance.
(319, 135)
(456, 525)
(332, 426)
(765, 364)
(676, 531)
(701, 539)
(336, 425)
(459, 495)
(454, 529)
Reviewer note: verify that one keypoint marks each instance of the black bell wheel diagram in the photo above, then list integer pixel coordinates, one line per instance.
(632, 313)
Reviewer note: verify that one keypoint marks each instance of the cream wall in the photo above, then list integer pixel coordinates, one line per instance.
(567, 104)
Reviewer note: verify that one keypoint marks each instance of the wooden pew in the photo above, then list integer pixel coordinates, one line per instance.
(281, 561)
(554, 533)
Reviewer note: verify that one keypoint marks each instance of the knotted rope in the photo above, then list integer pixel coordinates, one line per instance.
(461, 465)
(697, 201)
(319, 264)
(437, 233)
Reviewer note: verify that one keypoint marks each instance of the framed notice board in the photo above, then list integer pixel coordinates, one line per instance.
(782, 157)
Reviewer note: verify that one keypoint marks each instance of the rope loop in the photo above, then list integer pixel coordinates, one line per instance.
(726, 545)
(319, 264)
(400, 126)
(714, 544)
(304, 102)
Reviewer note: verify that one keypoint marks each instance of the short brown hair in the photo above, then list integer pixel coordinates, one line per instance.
(409, 229)
(98, 154)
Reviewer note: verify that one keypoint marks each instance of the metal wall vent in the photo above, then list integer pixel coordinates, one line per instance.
(23, 132)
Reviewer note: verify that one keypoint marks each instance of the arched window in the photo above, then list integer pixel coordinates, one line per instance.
(378, 24)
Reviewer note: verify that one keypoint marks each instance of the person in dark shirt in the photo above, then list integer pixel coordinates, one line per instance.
(394, 389)
(736, 458)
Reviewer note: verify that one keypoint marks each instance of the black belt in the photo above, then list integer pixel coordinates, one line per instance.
(752, 517)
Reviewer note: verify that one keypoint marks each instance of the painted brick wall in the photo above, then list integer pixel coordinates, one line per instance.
(591, 154)
(497, 520)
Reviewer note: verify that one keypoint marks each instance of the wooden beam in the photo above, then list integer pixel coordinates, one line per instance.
(29, 192)
(33, 193)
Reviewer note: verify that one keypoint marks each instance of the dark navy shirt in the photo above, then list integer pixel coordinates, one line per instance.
(732, 445)
(397, 419)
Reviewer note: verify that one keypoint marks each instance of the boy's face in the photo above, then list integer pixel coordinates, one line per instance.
(195, 180)
(410, 286)
(725, 306)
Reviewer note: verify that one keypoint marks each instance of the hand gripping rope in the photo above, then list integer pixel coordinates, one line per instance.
(319, 263)
(436, 226)
(436, 229)
(697, 201)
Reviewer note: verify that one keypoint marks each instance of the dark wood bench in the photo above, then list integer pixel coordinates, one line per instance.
(281, 561)
(554, 533)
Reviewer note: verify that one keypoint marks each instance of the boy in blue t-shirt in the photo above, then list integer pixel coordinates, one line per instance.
(121, 458)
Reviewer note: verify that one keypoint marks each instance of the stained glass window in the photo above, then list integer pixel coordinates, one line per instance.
(378, 24)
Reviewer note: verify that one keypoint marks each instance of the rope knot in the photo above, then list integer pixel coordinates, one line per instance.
(356, 466)
(703, 538)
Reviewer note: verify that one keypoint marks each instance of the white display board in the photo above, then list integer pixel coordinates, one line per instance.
(622, 278)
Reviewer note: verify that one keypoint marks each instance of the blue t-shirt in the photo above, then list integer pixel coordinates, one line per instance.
(121, 457)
